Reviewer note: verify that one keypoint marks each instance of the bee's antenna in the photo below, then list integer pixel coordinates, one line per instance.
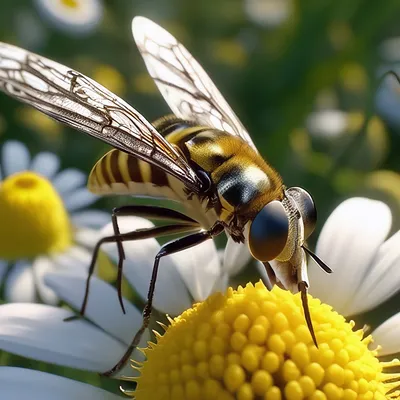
(317, 260)
(304, 300)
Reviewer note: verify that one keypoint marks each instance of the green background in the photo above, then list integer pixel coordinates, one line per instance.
(326, 54)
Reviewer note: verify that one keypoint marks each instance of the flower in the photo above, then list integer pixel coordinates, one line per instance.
(76, 17)
(354, 243)
(327, 123)
(252, 343)
(269, 13)
(39, 331)
(246, 343)
(44, 224)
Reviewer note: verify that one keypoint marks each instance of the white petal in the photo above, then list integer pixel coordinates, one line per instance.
(20, 285)
(21, 383)
(221, 284)
(199, 267)
(46, 164)
(69, 180)
(171, 295)
(348, 243)
(103, 307)
(387, 335)
(15, 157)
(42, 266)
(90, 218)
(383, 280)
(39, 331)
(75, 259)
(78, 199)
(236, 256)
(87, 237)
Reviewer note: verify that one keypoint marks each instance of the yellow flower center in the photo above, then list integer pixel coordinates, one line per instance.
(33, 217)
(254, 344)
(70, 3)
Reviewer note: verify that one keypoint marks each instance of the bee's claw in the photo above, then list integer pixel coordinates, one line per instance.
(304, 299)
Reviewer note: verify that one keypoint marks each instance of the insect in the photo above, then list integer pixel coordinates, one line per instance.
(201, 156)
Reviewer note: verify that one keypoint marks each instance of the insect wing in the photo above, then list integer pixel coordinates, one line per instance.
(185, 85)
(78, 101)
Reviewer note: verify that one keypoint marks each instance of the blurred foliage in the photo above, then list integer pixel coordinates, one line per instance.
(324, 55)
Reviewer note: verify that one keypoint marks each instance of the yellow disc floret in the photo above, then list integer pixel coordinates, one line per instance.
(254, 344)
(70, 3)
(33, 217)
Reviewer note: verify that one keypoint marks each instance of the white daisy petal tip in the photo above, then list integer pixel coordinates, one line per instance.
(15, 157)
(387, 336)
(45, 164)
(79, 199)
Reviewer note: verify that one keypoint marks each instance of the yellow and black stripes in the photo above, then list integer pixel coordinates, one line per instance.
(119, 173)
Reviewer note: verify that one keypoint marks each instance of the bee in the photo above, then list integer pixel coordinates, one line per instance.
(201, 156)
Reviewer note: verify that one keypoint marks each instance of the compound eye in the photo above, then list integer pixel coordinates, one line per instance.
(305, 204)
(269, 232)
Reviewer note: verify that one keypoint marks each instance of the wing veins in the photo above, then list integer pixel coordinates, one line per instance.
(77, 101)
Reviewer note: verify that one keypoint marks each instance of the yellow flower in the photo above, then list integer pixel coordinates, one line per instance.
(254, 344)
(44, 224)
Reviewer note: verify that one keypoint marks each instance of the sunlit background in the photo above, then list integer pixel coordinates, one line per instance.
(303, 76)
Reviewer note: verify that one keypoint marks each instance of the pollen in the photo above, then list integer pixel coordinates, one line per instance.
(252, 343)
(33, 218)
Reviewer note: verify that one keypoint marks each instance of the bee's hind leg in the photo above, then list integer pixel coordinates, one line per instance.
(169, 248)
(182, 224)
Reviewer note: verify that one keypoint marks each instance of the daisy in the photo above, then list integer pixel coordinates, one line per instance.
(44, 223)
(330, 123)
(269, 13)
(249, 343)
(354, 242)
(76, 17)
(39, 331)
(246, 343)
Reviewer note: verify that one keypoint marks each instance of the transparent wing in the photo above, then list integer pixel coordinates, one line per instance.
(78, 101)
(186, 87)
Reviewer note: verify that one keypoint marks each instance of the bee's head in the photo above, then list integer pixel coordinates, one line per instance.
(274, 233)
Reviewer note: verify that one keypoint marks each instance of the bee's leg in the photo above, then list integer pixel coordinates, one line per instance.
(130, 236)
(144, 211)
(269, 278)
(169, 248)
(303, 289)
(121, 256)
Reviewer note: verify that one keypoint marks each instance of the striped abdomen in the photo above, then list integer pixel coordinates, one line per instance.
(118, 173)
(121, 174)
